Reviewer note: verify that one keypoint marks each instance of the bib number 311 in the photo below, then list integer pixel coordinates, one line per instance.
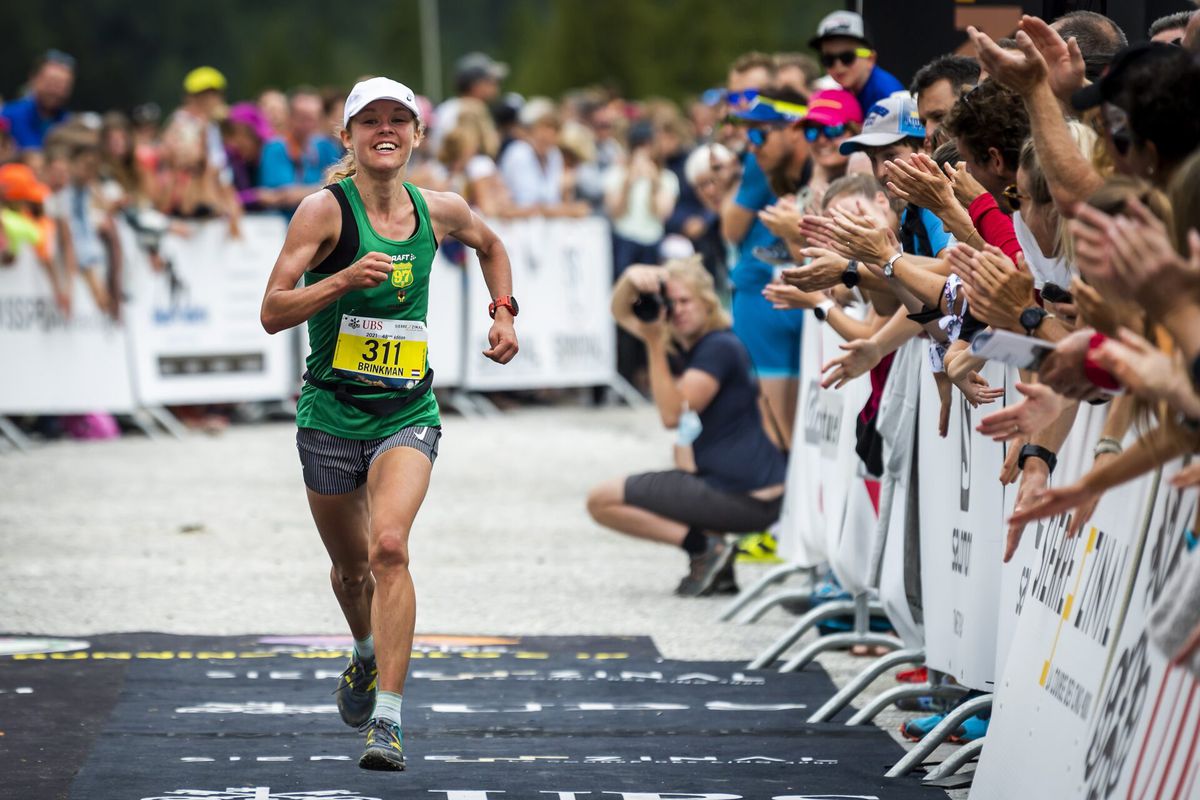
(381, 352)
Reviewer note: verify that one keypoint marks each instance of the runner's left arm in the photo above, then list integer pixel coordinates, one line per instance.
(452, 216)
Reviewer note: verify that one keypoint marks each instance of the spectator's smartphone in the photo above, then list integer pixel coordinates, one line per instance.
(1056, 294)
(1022, 352)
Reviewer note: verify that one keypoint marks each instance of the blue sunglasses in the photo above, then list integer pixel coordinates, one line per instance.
(757, 136)
(831, 132)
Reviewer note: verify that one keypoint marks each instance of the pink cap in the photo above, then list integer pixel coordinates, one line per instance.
(833, 107)
(249, 115)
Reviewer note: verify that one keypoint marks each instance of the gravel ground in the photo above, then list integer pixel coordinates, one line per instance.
(211, 535)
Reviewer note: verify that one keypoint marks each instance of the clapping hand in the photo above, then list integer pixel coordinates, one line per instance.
(823, 271)
(997, 290)
(918, 180)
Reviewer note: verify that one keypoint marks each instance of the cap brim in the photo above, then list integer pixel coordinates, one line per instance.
(763, 113)
(865, 140)
(352, 113)
(1089, 96)
(815, 42)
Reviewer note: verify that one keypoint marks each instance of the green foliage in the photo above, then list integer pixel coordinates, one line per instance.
(131, 51)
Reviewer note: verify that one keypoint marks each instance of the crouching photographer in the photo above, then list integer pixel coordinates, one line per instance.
(729, 476)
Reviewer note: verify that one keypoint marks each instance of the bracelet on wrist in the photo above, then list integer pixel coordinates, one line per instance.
(1109, 445)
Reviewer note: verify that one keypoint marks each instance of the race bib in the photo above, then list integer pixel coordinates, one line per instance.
(389, 353)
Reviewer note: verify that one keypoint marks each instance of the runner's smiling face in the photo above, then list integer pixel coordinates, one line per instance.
(383, 135)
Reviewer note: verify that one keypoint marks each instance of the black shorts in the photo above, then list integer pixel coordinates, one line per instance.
(336, 465)
(686, 497)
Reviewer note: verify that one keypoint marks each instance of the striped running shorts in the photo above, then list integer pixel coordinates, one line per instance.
(335, 465)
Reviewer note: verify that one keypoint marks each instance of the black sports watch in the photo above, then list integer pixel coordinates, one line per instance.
(1037, 451)
(1196, 373)
(850, 276)
(1031, 318)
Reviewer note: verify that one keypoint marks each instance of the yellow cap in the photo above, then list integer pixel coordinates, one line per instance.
(203, 79)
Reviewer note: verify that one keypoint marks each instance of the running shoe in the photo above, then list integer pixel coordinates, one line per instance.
(917, 675)
(758, 548)
(706, 569)
(916, 729)
(972, 728)
(356, 691)
(385, 747)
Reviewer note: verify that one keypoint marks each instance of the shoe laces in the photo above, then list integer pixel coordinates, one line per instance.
(385, 725)
(359, 674)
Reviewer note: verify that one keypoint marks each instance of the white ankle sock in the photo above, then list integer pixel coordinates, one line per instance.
(387, 706)
(365, 648)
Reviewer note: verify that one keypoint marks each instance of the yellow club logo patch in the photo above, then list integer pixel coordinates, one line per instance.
(402, 275)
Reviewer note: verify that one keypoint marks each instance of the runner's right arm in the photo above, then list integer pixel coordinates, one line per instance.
(313, 233)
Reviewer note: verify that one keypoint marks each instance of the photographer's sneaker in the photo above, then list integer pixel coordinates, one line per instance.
(356, 691)
(385, 747)
(711, 567)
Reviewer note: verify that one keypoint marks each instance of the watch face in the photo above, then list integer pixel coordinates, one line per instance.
(513, 300)
(1031, 318)
(888, 270)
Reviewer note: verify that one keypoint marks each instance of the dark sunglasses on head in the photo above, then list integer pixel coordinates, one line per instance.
(1014, 197)
(830, 132)
(847, 57)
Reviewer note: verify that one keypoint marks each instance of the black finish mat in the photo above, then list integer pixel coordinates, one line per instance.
(150, 716)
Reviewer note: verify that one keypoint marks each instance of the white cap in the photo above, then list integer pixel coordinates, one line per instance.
(366, 92)
(839, 23)
(889, 121)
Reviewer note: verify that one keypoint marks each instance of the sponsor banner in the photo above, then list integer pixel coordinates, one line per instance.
(447, 285)
(56, 364)
(962, 536)
(840, 509)
(1144, 739)
(817, 427)
(1072, 602)
(562, 277)
(194, 326)
(897, 424)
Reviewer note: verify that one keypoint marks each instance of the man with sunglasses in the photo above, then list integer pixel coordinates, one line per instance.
(848, 56)
(45, 105)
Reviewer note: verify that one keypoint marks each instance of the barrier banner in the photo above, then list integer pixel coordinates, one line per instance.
(1146, 732)
(1072, 601)
(845, 509)
(962, 536)
(194, 327)
(446, 288)
(802, 521)
(562, 277)
(897, 424)
(54, 364)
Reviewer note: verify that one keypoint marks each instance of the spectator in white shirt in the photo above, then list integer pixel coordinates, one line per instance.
(532, 166)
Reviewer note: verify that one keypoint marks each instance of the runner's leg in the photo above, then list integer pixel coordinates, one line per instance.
(396, 485)
(342, 521)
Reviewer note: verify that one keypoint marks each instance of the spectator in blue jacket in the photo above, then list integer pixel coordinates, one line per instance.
(45, 104)
(293, 165)
(851, 60)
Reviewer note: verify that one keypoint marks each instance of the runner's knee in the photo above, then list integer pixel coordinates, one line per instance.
(350, 577)
(390, 550)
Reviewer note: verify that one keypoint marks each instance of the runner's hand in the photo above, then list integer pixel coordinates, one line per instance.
(503, 340)
(368, 272)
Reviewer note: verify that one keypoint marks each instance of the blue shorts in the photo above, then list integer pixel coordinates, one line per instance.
(771, 336)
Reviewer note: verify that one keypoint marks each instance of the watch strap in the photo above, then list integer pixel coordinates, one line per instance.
(1037, 451)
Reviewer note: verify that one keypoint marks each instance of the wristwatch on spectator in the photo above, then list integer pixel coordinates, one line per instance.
(889, 269)
(821, 311)
(505, 301)
(1037, 451)
(850, 276)
(1031, 318)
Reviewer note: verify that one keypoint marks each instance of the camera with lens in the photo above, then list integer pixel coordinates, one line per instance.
(649, 305)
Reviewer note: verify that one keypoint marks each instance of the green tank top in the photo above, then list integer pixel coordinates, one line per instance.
(349, 329)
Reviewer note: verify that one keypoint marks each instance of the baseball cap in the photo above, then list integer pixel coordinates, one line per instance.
(833, 107)
(366, 92)
(18, 183)
(248, 114)
(764, 109)
(479, 65)
(840, 23)
(891, 119)
(204, 79)
(1113, 82)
